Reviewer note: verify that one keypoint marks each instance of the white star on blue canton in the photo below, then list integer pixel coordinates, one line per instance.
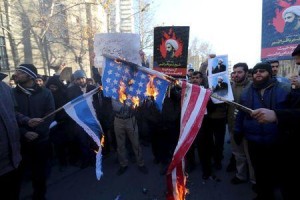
(126, 70)
(141, 84)
(115, 82)
(128, 104)
(117, 74)
(130, 88)
(112, 63)
(143, 76)
(110, 72)
(158, 82)
(138, 92)
(124, 78)
(114, 90)
(119, 67)
(106, 89)
(108, 80)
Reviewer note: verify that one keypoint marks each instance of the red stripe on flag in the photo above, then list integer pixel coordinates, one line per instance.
(176, 187)
(191, 104)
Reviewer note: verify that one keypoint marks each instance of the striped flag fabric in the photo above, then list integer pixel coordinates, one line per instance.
(193, 107)
(81, 110)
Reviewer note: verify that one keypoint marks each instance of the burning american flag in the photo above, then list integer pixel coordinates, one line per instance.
(193, 107)
(130, 85)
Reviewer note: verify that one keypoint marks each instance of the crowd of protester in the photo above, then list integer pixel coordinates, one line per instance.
(263, 142)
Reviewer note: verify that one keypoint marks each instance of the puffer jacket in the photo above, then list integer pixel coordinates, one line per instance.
(274, 97)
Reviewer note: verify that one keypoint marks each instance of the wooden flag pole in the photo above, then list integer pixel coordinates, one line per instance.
(237, 105)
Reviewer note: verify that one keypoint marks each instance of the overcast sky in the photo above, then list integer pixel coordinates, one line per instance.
(232, 27)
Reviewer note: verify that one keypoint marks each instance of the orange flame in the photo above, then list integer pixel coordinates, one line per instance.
(135, 101)
(182, 190)
(102, 141)
(122, 95)
(151, 89)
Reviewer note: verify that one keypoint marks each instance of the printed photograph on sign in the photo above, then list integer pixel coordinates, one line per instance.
(280, 29)
(171, 50)
(218, 64)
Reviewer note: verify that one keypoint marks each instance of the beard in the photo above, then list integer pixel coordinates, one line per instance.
(169, 54)
(289, 26)
(261, 81)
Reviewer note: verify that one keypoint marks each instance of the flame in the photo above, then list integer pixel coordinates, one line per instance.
(122, 95)
(182, 190)
(102, 141)
(101, 87)
(117, 61)
(135, 101)
(151, 89)
(130, 82)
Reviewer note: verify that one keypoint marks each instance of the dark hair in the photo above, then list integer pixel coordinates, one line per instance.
(195, 73)
(243, 65)
(274, 61)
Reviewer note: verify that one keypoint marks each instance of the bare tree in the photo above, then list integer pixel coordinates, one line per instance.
(52, 31)
(198, 52)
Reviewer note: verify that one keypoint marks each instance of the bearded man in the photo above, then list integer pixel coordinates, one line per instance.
(266, 142)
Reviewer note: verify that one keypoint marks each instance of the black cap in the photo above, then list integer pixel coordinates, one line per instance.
(296, 51)
(263, 65)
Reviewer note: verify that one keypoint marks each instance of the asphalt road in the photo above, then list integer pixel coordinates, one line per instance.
(81, 184)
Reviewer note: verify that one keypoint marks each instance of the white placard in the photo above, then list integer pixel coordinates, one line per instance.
(120, 45)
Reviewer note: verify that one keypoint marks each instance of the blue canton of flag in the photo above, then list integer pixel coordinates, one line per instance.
(118, 74)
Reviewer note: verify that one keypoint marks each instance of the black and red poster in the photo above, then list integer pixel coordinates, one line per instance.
(171, 50)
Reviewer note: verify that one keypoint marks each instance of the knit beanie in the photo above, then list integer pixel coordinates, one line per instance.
(29, 69)
(263, 65)
(79, 74)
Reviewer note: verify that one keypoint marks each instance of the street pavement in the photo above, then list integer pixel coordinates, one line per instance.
(81, 184)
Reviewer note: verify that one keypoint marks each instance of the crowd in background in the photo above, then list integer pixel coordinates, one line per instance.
(263, 142)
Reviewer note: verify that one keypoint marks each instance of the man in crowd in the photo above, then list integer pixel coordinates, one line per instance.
(287, 120)
(85, 154)
(295, 80)
(275, 70)
(34, 102)
(266, 142)
(125, 125)
(240, 152)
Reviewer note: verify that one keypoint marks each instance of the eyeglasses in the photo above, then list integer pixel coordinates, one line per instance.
(259, 70)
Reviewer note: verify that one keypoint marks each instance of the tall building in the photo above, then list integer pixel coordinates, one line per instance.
(49, 33)
(121, 17)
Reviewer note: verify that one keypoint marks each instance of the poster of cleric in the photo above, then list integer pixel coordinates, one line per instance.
(218, 79)
(171, 50)
(280, 29)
